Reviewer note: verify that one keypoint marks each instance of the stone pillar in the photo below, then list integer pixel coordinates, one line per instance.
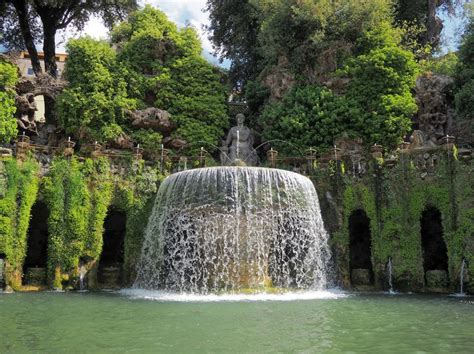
(138, 153)
(68, 149)
(96, 150)
(376, 151)
(22, 146)
(272, 156)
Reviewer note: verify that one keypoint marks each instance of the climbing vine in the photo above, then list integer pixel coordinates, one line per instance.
(135, 196)
(15, 208)
(78, 196)
(394, 200)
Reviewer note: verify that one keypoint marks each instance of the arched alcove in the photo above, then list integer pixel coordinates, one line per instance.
(435, 254)
(2, 270)
(40, 109)
(34, 266)
(112, 257)
(360, 248)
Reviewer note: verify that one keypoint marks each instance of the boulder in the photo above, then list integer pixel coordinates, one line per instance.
(122, 142)
(151, 118)
(5, 152)
(174, 143)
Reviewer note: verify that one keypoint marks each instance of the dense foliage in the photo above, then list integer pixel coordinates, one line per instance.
(16, 199)
(377, 105)
(151, 63)
(307, 32)
(379, 92)
(255, 34)
(93, 106)
(8, 79)
(308, 116)
(78, 196)
(233, 29)
(168, 71)
(444, 65)
(135, 196)
(464, 77)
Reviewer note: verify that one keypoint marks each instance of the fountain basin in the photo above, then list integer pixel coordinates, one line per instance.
(234, 228)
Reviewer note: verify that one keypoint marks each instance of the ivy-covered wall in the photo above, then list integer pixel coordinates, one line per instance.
(135, 196)
(394, 195)
(18, 189)
(78, 194)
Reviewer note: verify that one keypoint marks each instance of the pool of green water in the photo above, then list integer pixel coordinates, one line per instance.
(118, 322)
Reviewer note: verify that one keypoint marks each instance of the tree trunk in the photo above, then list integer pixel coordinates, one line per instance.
(434, 25)
(21, 8)
(49, 49)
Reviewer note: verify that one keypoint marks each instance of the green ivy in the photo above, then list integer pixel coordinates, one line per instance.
(78, 196)
(15, 208)
(135, 196)
(394, 200)
(8, 79)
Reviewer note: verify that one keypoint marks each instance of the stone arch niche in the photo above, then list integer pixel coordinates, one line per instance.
(2, 270)
(34, 267)
(435, 253)
(112, 257)
(360, 249)
(35, 100)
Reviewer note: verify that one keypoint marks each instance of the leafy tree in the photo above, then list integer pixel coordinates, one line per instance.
(308, 116)
(166, 70)
(382, 77)
(93, 106)
(234, 28)
(300, 30)
(28, 22)
(444, 65)
(423, 14)
(257, 34)
(377, 105)
(8, 79)
(464, 77)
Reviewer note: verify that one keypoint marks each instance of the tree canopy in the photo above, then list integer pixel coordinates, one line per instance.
(26, 23)
(377, 104)
(464, 77)
(167, 70)
(150, 63)
(93, 106)
(254, 33)
(8, 79)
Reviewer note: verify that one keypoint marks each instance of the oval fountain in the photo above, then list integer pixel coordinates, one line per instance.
(230, 229)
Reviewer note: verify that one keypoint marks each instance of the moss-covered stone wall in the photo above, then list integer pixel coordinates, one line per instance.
(78, 194)
(394, 193)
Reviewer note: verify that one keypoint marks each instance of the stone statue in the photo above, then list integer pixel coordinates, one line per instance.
(26, 108)
(418, 140)
(241, 139)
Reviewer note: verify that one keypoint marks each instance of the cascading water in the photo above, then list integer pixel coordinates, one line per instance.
(82, 274)
(389, 273)
(461, 277)
(234, 228)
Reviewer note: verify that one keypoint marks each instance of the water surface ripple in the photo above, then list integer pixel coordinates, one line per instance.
(118, 322)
